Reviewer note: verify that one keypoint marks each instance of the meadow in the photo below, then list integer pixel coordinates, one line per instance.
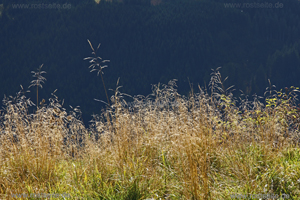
(208, 145)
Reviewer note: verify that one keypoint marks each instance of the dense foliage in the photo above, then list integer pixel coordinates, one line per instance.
(146, 45)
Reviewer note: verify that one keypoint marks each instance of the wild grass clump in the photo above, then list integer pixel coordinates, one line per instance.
(208, 145)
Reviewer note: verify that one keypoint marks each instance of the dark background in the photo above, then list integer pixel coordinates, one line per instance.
(178, 39)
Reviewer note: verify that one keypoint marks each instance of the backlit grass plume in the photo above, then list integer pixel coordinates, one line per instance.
(97, 64)
(39, 79)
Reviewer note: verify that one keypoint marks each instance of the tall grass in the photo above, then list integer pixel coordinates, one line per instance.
(208, 145)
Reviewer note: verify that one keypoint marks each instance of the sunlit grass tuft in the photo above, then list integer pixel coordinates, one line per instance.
(208, 145)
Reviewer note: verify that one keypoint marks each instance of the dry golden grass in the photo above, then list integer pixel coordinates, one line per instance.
(163, 146)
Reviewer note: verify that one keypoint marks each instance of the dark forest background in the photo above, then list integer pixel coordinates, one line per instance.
(178, 39)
